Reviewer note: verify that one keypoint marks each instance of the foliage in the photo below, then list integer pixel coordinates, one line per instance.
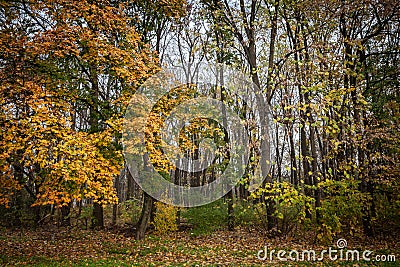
(326, 70)
(290, 205)
(249, 214)
(85, 216)
(386, 207)
(342, 209)
(130, 211)
(56, 54)
(165, 218)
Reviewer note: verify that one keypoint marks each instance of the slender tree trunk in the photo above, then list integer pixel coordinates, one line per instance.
(144, 217)
(98, 220)
(231, 215)
(293, 171)
(129, 191)
(146, 208)
(115, 206)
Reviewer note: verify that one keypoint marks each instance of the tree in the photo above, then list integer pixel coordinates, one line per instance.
(67, 69)
(151, 20)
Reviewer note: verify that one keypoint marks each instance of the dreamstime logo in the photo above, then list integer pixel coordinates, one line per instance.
(341, 243)
(168, 108)
(340, 253)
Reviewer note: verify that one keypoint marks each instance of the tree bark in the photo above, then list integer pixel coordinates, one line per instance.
(98, 219)
(147, 206)
(145, 216)
(65, 215)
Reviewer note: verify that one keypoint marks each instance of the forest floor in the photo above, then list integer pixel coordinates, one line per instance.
(75, 247)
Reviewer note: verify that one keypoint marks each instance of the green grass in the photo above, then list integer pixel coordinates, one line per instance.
(208, 218)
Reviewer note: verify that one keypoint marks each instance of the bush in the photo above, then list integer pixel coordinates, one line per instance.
(290, 206)
(130, 211)
(248, 214)
(342, 208)
(386, 211)
(165, 218)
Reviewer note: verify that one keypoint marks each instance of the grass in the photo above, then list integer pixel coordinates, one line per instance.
(207, 219)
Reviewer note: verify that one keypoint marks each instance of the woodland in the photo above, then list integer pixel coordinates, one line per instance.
(326, 140)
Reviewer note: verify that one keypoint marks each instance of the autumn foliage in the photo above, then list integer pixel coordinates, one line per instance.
(62, 63)
(326, 71)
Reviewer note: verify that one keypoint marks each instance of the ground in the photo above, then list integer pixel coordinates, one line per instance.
(75, 247)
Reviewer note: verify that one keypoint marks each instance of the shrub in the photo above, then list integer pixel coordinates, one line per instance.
(342, 208)
(248, 214)
(165, 218)
(130, 211)
(290, 205)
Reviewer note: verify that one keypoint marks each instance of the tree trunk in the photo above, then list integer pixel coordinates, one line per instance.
(145, 216)
(117, 189)
(147, 205)
(65, 215)
(98, 220)
(115, 214)
(231, 215)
